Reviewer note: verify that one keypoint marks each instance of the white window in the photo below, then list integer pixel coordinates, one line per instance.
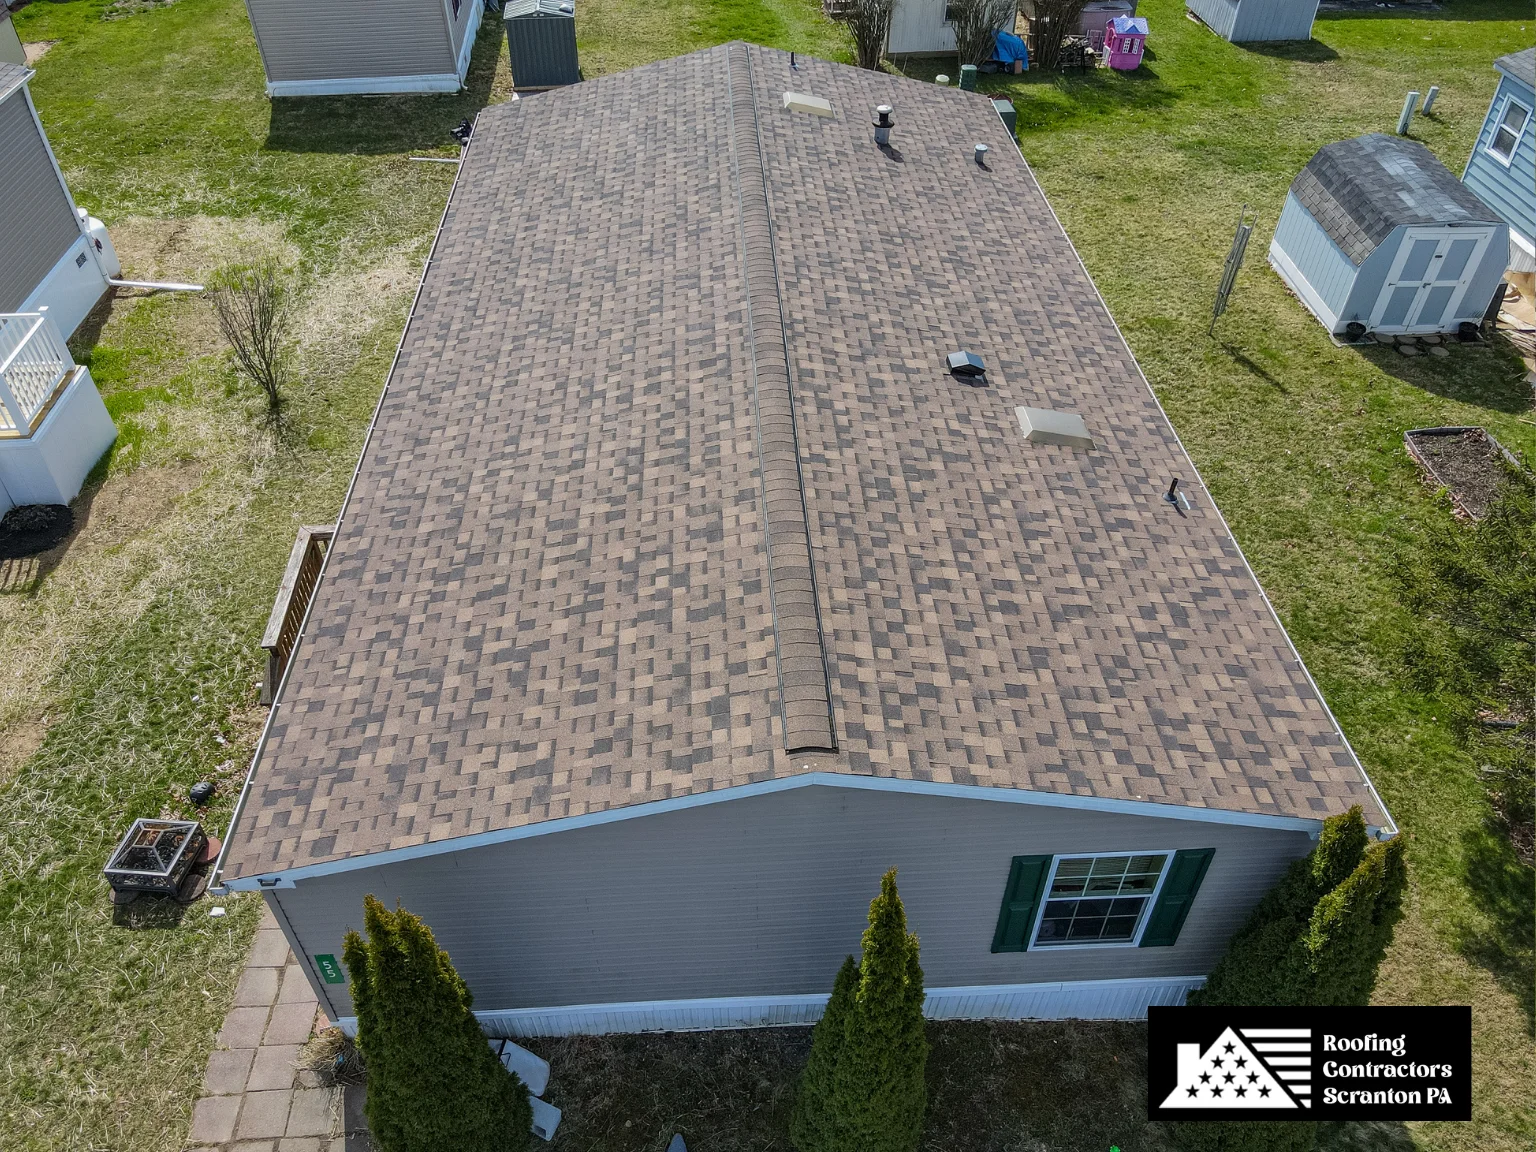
(1508, 129)
(1099, 899)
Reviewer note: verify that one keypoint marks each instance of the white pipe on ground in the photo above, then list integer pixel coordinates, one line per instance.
(156, 286)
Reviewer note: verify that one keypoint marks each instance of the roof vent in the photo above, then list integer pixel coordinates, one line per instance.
(800, 102)
(981, 155)
(966, 364)
(1043, 426)
(883, 125)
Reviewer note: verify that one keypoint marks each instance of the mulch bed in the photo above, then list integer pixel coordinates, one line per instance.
(29, 529)
(1467, 462)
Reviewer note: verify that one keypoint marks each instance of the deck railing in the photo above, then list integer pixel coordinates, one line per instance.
(34, 364)
(293, 597)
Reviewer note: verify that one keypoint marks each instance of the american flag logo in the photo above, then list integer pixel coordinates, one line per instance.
(1248, 1068)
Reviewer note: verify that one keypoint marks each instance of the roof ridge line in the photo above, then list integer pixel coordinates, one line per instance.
(805, 694)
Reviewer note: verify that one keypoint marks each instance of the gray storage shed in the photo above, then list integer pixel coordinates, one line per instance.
(1375, 231)
(1247, 21)
(541, 42)
(336, 47)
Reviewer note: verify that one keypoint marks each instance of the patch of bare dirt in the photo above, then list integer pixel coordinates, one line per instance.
(18, 740)
(36, 49)
(194, 247)
(1469, 464)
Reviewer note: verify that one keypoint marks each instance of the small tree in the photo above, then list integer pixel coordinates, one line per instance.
(812, 1126)
(975, 23)
(250, 302)
(433, 1081)
(1053, 21)
(879, 1092)
(1317, 937)
(1472, 589)
(870, 23)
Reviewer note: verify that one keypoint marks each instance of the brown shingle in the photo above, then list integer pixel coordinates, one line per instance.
(550, 593)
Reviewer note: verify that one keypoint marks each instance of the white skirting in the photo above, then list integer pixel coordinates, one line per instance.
(1081, 1000)
(1286, 268)
(365, 85)
(49, 466)
(1522, 255)
(71, 288)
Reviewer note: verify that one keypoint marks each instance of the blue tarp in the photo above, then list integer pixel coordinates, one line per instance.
(1009, 48)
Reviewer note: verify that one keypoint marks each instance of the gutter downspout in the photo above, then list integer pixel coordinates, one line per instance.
(215, 879)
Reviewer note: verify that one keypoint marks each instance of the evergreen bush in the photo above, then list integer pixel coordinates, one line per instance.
(811, 1124)
(866, 1091)
(433, 1081)
(1317, 937)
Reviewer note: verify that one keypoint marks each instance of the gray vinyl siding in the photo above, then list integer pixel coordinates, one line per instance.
(1242, 21)
(765, 896)
(1218, 15)
(1327, 269)
(37, 225)
(345, 39)
(1371, 279)
(1274, 20)
(460, 23)
(1511, 191)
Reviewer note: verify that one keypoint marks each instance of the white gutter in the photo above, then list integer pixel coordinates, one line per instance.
(215, 884)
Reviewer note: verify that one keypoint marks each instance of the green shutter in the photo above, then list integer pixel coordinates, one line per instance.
(1020, 899)
(1184, 876)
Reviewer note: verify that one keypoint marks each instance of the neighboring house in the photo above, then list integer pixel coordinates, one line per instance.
(1502, 167)
(921, 28)
(681, 590)
(1377, 232)
(333, 47)
(53, 425)
(1247, 21)
(11, 51)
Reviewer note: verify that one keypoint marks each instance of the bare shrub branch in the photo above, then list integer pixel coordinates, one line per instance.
(251, 303)
(1054, 20)
(975, 22)
(870, 23)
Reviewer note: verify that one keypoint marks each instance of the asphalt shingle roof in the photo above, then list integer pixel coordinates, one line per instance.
(661, 304)
(1520, 65)
(1359, 190)
(12, 77)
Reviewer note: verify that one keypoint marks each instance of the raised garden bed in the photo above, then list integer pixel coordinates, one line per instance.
(1467, 462)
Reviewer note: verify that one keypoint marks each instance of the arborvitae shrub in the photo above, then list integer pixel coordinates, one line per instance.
(812, 1127)
(433, 1081)
(1317, 938)
(879, 1091)
(863, 1089)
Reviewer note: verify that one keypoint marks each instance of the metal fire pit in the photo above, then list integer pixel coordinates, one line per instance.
(155, 856)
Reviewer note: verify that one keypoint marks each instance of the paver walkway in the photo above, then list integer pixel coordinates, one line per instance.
(255, 1100)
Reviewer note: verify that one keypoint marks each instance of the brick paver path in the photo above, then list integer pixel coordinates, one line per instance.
(255, 1100)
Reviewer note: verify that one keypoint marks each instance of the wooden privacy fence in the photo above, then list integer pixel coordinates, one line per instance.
(293, 597)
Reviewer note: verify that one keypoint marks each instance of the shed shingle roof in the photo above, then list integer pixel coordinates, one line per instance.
(1359, 190)
(12, 77)
(1520, 65)
(660, 303)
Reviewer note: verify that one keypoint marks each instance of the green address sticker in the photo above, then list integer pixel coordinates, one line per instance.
(330, 971)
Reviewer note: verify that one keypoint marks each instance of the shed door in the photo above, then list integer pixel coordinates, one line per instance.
(1430, 274)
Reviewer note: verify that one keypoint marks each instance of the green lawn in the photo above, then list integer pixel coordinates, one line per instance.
(128, 670)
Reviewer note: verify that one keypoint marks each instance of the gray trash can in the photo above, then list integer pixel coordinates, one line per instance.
(541, 42)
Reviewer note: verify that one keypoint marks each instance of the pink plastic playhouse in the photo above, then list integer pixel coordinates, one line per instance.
(1125, 38)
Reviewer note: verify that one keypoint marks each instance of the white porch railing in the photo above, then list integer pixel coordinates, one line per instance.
(34, 363)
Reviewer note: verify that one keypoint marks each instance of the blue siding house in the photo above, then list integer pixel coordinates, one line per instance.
(1502, 167)
(1377, 233)
(1250, 21)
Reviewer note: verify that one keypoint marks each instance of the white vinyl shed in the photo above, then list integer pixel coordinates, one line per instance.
(1376, 232)
(370, 47)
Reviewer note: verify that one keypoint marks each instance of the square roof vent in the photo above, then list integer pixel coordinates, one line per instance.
(800, 102)
(1044, 426)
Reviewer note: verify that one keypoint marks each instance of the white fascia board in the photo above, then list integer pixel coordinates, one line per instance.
(1523, 242)
(365, 85)
(287, 877)
(1297, 282)
(468, 48)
